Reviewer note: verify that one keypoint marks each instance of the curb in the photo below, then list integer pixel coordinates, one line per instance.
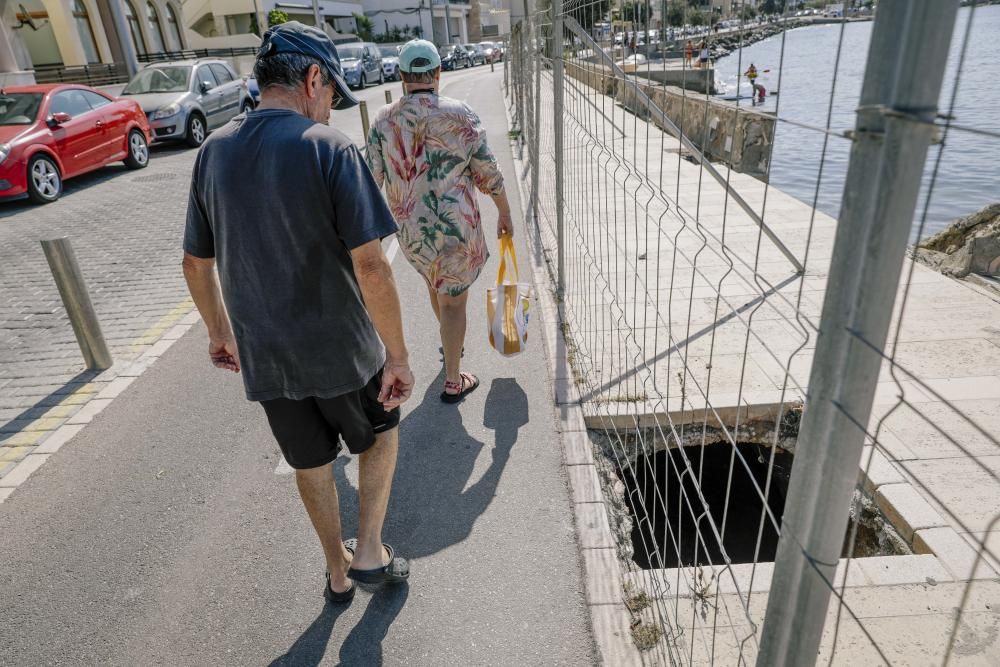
(100, 393)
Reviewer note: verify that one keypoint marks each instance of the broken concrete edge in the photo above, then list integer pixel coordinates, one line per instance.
(114, 382)
(602, 578)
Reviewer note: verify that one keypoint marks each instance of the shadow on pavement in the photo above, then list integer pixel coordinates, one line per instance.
(364, 645)
(433, 506)
(310, 647)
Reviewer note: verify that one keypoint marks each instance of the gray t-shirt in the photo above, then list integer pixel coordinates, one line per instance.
(280, 201)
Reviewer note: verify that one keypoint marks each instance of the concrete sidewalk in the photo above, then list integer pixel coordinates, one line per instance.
(166, 531)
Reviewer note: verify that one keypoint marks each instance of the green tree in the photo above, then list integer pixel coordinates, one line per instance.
(749, 13)
(696, 18)
(772, 7)
(590, 13)
(635, 12)
(675, 14)
(276, 17)
(364, 27)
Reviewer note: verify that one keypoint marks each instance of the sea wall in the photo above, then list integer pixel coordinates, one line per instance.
(737, 136)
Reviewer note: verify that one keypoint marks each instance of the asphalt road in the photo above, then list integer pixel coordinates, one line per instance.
(163, 534)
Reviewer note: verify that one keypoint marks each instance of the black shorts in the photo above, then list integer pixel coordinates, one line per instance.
(309, 430)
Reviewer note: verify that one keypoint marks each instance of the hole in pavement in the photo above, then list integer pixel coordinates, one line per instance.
(672, 516)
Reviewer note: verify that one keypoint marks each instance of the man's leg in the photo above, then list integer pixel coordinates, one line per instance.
(319, 494)
(377, 465)
(453, 322)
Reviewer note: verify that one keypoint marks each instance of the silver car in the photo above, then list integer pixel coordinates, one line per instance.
(390, 62)
(187, 99)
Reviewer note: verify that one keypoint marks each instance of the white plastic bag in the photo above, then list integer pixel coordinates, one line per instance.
(507, 305)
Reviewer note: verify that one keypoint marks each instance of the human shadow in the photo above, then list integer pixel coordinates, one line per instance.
(363, 645)
(433, 505)
(309, 649)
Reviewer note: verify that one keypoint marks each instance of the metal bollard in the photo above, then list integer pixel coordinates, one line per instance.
(76, 299)
(363, 106)
(388, 97)
(491, 65)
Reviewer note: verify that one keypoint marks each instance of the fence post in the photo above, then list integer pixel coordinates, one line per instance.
(557, 126)
(903, 78)
(76, 299)
(363, 108)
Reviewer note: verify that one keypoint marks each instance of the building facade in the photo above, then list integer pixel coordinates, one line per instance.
(39, 38)
(219, 18)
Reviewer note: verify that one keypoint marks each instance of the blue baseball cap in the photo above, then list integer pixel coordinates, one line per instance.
(295, 37)
(418, 56)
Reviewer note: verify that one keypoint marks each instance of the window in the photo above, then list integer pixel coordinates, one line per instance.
(96, 101)
(159, 80)
(155, 32)
(222, 74)
(19, 108)
(205, 75)
(133, 27)
(175, 29)
(72, 102)
(82, 19)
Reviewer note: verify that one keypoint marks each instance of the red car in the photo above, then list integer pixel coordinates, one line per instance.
(53, 132)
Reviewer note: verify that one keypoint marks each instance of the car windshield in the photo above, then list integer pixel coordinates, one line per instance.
(388, 51)
(445, 51)
(19, 108)
(349, 52)
(487, 45)
(159, 80)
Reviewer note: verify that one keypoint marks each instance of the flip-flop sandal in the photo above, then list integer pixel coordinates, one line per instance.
(468, 385)
(334, 597)
(396, 572)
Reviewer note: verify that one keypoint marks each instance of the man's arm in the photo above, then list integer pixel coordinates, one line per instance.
(374, 274)
(204, 287)
(504, 223)
(488, 178)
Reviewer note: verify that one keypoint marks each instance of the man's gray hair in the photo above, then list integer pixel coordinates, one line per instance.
(287, 70)
(420, 77)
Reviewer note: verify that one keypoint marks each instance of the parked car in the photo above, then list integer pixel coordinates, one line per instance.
(476, 53)
(253, 89)
(187, 99)
(492, 51)
(390, 62)
(362, 64)
(49, 133)
(454, 56)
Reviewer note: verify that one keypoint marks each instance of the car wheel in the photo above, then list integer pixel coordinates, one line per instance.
(381, 77)
(44, 181)
(195, 131)
(246, 106)
(138, 151)
(364, 82)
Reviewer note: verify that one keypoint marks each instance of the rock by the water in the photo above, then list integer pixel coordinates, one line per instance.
(968, 245)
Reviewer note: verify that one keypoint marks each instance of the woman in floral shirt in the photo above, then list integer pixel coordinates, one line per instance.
(430, 154)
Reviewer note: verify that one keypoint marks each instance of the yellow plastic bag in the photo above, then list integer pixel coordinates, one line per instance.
(507, 305)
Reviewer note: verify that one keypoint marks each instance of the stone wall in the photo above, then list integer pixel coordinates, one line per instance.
(737, 136)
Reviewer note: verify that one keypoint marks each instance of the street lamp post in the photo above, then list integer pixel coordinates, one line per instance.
(317, 19)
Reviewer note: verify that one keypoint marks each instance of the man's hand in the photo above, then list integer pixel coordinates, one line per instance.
(504, 224)
(224, 354)
(397, 385)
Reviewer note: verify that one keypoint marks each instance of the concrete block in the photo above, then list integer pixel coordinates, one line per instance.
(137, 368)
(585, 484)
(571, 418)
(850, 575)
(157, 350)
(59, 437)
(877, 471)
(602, 576)
(23, 470)
(613, 636)
(176, 332)
(592, 527)
(566, 391)
(5, 493)
(191, 318)
(954, 553)
(906, 510)
(896, 570)
(577, 449)
(115, 387)
(89, 411)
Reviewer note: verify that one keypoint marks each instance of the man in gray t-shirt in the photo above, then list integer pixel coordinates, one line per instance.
(288, 211)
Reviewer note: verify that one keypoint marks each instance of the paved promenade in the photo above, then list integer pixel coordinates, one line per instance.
(167, 532)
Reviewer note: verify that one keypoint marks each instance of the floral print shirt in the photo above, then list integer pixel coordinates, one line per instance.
(430, 154)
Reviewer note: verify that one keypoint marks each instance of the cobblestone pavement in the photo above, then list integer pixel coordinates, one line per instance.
(125, 227)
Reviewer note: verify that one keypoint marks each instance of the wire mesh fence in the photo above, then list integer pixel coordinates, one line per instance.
(797, 428)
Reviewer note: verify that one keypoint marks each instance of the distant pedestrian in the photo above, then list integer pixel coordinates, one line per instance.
(286, 207)
(634, 44)
(431, 155)
(703, 56)
(688, 54)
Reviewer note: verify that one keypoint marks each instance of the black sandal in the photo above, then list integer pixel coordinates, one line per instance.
(465, 388)
(334, 597)
(396, 572)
